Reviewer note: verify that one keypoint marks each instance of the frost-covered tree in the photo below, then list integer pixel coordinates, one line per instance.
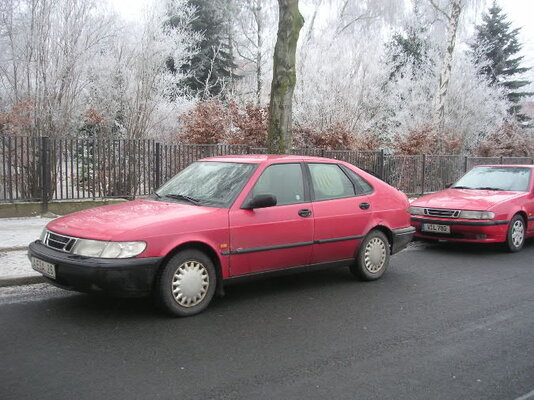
(211, 69)
(496, 47)
(132, 85)
(48, 49)
(255, 31)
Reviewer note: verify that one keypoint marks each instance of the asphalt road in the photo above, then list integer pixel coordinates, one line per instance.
(445, 322)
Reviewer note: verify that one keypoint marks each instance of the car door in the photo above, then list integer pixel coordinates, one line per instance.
(276, 237)
(342, 207)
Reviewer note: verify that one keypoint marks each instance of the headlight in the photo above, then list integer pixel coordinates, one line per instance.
(476, 215)
(43, 235)
(416, 210)
(97, 248)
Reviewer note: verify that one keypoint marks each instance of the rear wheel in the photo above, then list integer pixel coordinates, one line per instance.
(516, 234)
(186, 284)
(373, 257)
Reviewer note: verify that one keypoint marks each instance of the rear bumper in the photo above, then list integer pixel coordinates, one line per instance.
(401, 238)
(129, 277)
(464, 230)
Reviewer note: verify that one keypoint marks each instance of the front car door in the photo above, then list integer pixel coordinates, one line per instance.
(274, 237)
(342, 208)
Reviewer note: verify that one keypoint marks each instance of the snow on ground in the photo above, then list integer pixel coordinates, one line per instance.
(19, 232)
(15, 264)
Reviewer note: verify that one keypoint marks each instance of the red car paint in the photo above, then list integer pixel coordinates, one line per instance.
(504, 204)
(166, 226)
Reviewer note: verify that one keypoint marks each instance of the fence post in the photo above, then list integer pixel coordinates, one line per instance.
(157, 164)
(466, 160)
(500, 160)
(381, 166)
(45, 172)
(423, 175)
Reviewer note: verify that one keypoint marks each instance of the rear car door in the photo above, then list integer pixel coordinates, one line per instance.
(275, 237)
(342, 207)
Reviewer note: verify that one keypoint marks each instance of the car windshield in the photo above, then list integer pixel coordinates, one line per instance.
(495, 178)
(207, 183)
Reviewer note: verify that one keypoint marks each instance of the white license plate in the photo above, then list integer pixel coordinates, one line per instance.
(436, 228)
(44, 267)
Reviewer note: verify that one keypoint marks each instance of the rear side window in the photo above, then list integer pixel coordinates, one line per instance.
(330, 182)
(282, 180)
(362, 187)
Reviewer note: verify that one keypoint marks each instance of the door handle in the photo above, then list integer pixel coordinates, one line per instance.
(305, 212)
(365, 206)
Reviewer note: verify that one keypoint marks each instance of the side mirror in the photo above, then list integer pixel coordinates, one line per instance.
(448, 185)
(261, 201)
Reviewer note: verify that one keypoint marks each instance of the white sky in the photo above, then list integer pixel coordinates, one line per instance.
(520, 13)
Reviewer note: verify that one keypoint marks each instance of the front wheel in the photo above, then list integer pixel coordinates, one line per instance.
(373, 257)
(186, 284)
(516, 234)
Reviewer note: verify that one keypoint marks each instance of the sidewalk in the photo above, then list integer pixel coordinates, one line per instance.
(15, 235)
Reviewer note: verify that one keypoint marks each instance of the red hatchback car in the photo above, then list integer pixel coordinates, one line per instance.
(224, 218)
(491, 203)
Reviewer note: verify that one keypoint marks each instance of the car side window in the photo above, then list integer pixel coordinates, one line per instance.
(362, 187)
(330, 182)
(285, 181)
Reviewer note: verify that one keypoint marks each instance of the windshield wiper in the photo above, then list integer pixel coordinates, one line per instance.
(183, 197)
(460, 187)
(487, 188)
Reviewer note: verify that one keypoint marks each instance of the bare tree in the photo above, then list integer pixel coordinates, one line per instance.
(290, 21)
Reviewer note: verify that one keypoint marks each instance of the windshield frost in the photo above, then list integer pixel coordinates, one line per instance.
(496, 178)
(209, 182)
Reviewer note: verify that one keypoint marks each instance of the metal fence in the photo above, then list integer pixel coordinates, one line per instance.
(44, 169)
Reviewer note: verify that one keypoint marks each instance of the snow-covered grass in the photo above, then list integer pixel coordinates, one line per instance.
(15, 264)
(19, 232)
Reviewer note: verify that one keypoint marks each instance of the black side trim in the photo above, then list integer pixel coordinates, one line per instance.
(289, 271)
(290, 245)
(341, 239)
(266, 248)
(531, 218)
(469, 223)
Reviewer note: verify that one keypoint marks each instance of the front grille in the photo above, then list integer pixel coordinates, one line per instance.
(59, 242)
(442, 213)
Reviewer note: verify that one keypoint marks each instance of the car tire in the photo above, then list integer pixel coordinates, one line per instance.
(515, 238)
(373, 255)
(186, 283)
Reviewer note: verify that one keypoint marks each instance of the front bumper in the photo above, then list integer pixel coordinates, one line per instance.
(129, 277)
(485, 231)
(401, 238)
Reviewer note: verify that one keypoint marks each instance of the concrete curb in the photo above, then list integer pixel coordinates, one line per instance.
(21, 280)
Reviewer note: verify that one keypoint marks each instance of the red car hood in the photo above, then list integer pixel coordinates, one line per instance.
(108, 222)
(465, 199)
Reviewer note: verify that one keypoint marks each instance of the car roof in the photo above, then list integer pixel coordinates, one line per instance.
(266, 158)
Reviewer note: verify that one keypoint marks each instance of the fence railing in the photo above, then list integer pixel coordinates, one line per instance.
(44, 169)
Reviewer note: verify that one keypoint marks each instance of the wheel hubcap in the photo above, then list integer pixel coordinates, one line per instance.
(518, 233)
(375, 255)
(190, 283)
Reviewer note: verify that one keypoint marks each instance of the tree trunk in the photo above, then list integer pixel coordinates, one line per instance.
(290, 22)
(445, 76)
